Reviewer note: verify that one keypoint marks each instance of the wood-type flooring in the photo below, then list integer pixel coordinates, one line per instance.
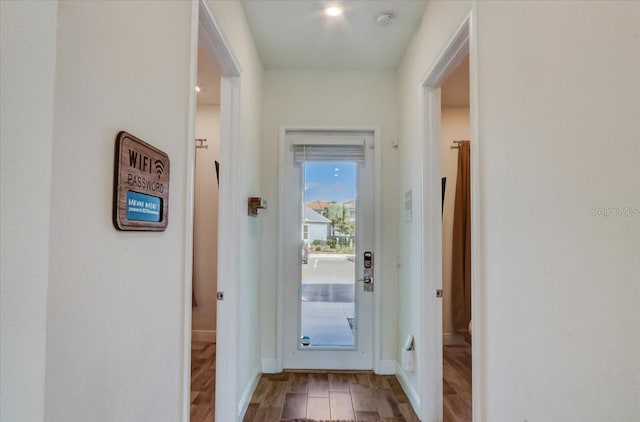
(331, 396)
(456, 383)
(203, 381)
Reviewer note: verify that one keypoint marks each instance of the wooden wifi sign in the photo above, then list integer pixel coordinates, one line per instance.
(141, 185)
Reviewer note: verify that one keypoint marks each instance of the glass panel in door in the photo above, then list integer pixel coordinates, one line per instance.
(326, 226)
(328, 272)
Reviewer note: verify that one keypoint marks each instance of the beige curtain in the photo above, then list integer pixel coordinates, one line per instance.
(461, 257)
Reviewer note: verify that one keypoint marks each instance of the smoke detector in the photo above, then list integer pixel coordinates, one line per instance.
(385, 19)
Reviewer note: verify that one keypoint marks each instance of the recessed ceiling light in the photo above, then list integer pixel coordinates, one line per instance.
(197, 88)
(333, 10)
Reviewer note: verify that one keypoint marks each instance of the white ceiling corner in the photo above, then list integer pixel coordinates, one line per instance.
(296, 34)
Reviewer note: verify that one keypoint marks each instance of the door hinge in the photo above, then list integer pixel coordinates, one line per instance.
(220, 295)
(439, 293)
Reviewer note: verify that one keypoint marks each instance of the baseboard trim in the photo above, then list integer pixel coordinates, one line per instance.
(248, 393)
(408, 388)
(208, 336)
(269, 366)
(386, 367)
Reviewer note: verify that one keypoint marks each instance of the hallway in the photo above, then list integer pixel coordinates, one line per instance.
(96, 322)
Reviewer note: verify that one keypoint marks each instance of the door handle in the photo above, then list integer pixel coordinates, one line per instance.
(367, 282)
(367, 276)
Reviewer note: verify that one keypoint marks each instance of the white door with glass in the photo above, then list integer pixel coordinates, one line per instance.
(327, 238)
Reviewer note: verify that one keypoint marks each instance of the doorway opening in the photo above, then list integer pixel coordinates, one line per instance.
(205, 238)
(455, 135)
(211, 273)
(450, 267)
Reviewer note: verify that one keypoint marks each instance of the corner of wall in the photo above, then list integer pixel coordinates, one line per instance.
(28, 57)
(408, 387)
(248, 390)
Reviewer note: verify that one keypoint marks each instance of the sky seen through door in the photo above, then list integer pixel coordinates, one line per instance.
(333, 181)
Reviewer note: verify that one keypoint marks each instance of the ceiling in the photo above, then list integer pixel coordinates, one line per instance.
(208, 79)
(293, 54)
(296, 34)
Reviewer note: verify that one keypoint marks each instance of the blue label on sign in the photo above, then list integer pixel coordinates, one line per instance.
(141, 207)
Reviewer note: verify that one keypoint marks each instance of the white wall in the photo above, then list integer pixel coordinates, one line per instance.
(455, 125)
(234, 25)
(331, 99)
(440, 21)
(115, 305)
(559, 139)
(205, 224)
(27, 77)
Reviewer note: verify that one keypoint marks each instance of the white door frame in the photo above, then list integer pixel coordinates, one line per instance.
(206, 32)
(461, 44)
(378, 366)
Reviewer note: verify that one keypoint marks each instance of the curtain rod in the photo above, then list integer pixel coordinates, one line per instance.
(457, 144)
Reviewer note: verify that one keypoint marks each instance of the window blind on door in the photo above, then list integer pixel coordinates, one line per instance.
(316, 152)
